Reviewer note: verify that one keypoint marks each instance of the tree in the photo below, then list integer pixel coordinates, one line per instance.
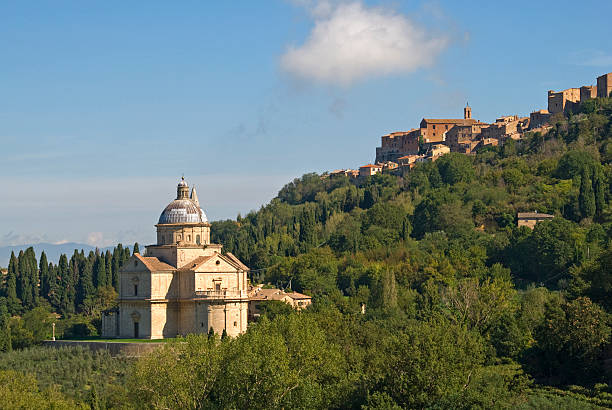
(429, 363)
(572, 339)
(5, 330)
(12, 301)
(136, 248)
(586, 198)
(455, 168)
(43, 269)
(99, 272)
(85, 287)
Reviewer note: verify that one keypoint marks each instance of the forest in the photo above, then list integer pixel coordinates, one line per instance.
(463, 308)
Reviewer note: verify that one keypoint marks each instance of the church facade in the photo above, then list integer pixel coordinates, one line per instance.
(183, 284)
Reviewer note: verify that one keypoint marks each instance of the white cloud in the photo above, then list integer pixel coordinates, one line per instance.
(351, 42)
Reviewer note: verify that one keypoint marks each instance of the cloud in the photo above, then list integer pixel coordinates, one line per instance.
(351, 42)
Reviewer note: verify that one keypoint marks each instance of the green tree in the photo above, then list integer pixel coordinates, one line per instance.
(455, 168)
(12, 301)
(572, 339)
(5, 330)
(586, 198)
(429, 363)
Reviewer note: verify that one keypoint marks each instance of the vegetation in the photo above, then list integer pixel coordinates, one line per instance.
(463, 309)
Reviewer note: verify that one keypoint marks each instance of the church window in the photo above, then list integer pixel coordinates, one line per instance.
(218, 262)
(235, 324)
(188, 238)
(178, 237)
(198, 239)
(135, 290)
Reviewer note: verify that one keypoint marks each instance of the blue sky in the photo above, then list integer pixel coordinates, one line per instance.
(103, 105)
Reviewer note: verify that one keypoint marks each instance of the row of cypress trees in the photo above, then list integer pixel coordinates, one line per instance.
(65, 285)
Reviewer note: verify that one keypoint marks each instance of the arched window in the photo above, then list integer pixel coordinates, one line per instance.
(198, 239)
(188, 238)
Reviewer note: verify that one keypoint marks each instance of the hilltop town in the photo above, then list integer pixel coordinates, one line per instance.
(400, 151)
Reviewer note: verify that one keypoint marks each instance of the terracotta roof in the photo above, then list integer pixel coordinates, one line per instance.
(152, 263)
(296, 295)
(196, 263)
(237, 261)
(450, 120)
(371, 166)
(534, 215)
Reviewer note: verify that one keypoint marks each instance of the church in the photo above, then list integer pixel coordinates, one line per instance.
(183, 284)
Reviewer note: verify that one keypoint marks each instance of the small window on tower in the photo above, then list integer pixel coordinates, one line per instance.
(188, 238)
(135, 290)
(198, 239)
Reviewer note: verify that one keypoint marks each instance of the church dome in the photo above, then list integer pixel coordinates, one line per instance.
(183, 209)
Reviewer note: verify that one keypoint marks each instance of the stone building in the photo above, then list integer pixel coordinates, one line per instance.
(433, 130)
(461, 138)
(183, 284)
(587, 92)
(530, 219)
(369, 170)
(509, 126)
(259, 294)
(563, 101)
(397, 144)
(604, 85)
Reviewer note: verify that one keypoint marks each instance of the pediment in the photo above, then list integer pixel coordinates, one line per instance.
(212, 263)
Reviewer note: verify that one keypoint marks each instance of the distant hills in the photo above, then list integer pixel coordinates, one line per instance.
(53, 251)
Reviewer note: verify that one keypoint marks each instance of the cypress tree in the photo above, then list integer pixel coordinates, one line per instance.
(99, 272)
(55, 291)
(5, 330)
(43, 274)
(32, 266)
(85, 288)
(125, 256)
(389, 290)
(586, 197)
(117, 252)
(108, 260)
(136, 248)
(24, 281)
(600, 194)
(66, 286)
(12, 301)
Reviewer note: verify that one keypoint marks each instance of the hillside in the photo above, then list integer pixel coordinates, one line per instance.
(426, 293)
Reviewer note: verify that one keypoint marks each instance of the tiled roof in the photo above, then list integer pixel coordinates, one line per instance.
(152, 263)
(296, 295)
(237, 261)
(371, 166)
(450, 120)
(534, 215)
(196, 263)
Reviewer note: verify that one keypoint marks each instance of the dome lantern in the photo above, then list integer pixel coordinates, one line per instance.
(182, 189)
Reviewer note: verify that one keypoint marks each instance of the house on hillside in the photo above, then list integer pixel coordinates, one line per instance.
(258, 294)
(530, 219)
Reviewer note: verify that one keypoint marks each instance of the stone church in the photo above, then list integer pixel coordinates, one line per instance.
(183, 284)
